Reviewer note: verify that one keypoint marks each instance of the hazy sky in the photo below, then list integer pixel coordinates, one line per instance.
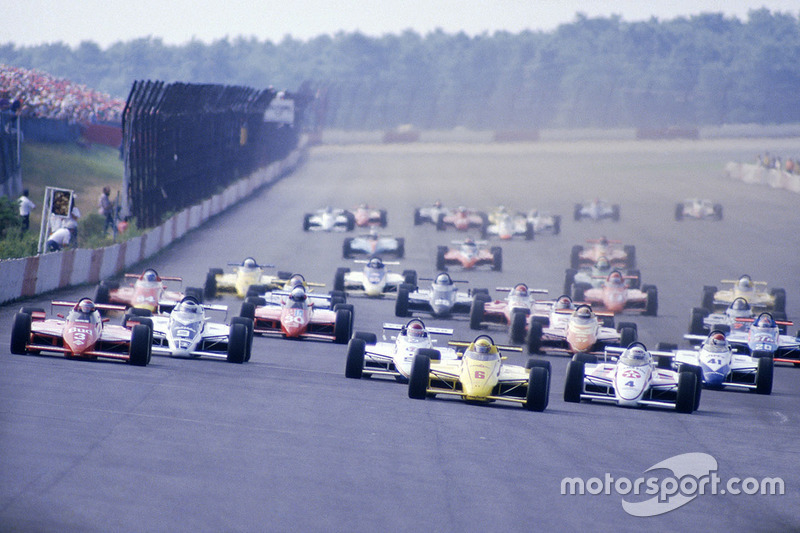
(27, 22)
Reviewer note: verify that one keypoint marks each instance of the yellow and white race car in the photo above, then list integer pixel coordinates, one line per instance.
(753, 292)
(481, 375)
(247, 279)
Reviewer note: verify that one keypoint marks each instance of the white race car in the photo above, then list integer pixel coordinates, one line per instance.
(187, 332)
(442, 300)
(366, 356)
(632, 380)
(544, 222)
(373, 280)
(699, 209)
(430, 214)
(373, 243)
(329, 219)
(596, 210)
(506, 226)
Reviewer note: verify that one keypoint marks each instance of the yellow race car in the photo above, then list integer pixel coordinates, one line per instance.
(248, 279)
(753, 292)
(481, 375)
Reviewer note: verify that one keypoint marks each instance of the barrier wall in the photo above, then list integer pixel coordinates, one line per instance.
(28, 276)
(758, 174)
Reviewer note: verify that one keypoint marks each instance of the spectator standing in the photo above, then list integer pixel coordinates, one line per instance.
(25, 207)
(106, 208)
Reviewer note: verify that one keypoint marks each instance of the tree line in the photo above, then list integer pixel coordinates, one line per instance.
(602, 72)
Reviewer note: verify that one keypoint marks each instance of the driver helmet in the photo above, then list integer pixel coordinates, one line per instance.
(563, 302)
(437, 203)
(86, 306)
(745, 283)
(604, 240)
(296, 281)
(483, 346)
(188, 305)
(443, 279)
(469, 241)
(616, 278)
(415, 330)
(502, 209)
(375, 262)
(583, 314)
(739, 308)
(150, 275)
(520, 291)
(362, 206)
(602, 263)
(765, 320)
(636, 355)
(716, 342)
(298, 294)
(249, 263)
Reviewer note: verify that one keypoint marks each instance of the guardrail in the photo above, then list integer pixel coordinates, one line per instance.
(752, 173)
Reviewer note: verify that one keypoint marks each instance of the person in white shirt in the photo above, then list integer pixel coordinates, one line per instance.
(61, 237)
(25, 208)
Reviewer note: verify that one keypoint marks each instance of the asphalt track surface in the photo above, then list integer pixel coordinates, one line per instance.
(287, 443)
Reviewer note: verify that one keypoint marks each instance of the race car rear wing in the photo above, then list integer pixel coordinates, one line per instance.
(434, 279)
(102, 307)
(735, 281)
(436, 331)
(162, 278)
(365, 261)
(509, 289)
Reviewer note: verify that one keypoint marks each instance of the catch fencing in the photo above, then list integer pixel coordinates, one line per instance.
(183, 143)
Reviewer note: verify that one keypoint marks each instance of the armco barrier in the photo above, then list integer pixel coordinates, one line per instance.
(752, 173)
(28, 276)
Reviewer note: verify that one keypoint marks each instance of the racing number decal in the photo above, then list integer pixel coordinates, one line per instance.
(480, 374)
(79, 335)
(631, 373)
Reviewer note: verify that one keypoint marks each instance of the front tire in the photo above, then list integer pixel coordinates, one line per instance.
(573, 386)
(534, 340)
(419, 377)
(343, 326)
(401, 304)
(538, 393)
(687, 385)
(476, 312)
(519, 322)
(237, 343)
(20, 333)
(354, 367)
(764, 375)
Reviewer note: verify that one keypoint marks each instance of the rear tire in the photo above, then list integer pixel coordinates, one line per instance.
(627, 336)
(556, 224)
(343, 326)
(687, 385)
(139, 350)
(630, 256)
(367, 336)
(401, 304)
(696, 325)
(237, 343)
(519, 322)
(651, 307)
(707, 300)
(534, 339)
(538, 393)
(338, 279)
(573, 386)
(420, 377)
(764, 375)
(20, 333)
(476, 312)
(410, 277)
(210, 286)
(575, 256)
(354, 367)
(569, 280)
(101, 294)
(248, 310)
(497, 262)
(400, 251)
(441, 264)
(247, 323)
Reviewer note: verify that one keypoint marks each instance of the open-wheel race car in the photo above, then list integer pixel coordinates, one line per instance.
(296, 316)
(366, 216)
(442, 299)
(615, 296)
(81, 334)
(617, 254)
(594, 276)
(544, 222)
(430, 214)
(329, 219)
(481, 375)
(373, 243)
(519, 301)
(366, 356)
(187, 332)
(698, 209)
(507, 225)
(244, 275)
(753, 293)
(596, 210)
(631, 377)
(463, 219)
(147, 291)
(469, 254)
(373, 280)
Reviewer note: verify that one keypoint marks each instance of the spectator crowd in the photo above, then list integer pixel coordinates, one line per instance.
(790, 165)
(35, 94)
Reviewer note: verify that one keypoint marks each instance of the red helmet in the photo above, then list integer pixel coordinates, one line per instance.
(415, 330)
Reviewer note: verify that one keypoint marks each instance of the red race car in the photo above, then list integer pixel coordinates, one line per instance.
(148, 291)
(619, 255)
(82, 334)
(369, 216)
(469, 255)
(463, 219)
(518, 301)
(296, 317)
(614, 296)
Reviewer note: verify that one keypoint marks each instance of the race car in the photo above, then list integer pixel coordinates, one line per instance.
(82, 334)
(615, 297)
(329, 219)
(463, 219)
(366, 216)
(519, 301)
(244, 275)
(506, 225)
(594, 276)
(481, 375)
(699, 209)
(751, 291)
(187, 332)
(373, 243)
(738, 316)
(760, 336)
(618, 256)
(442, 300)
(430, 214)
(373, 280)
(596, 210)
(296, 317)
(469, 254)
(368, 357)
(721, 366)
(630, 377)
(285, 282)
(544, 222)
(580, 332)
(148, 291)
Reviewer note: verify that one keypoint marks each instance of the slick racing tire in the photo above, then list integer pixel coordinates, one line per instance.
(519, 323)
(354, 366)
(410, 277)
(764, 374)
(476, 312)
(497, 261)
(779, 305)
(575, 256)
(569, 280)
(529, 233)
(615, 212)
(573, 386)
(248, 323)
(417, 217)
(20, 333)
(441, 263)
(679, 212)
(195, 292)
(585, 358)
(101, 294)
(401, 304)
(534, 340)
(366, 336)
(338, 279)
(696, 325)
(687, 387)
(343, 326)
(651, 307)
(630, 256)
(627, 336)
(210, 286)
(420, 377)
(698, 389)
(248, 310)
(556, 224)
(306, 221)
(141, 341)
(538, 394)
(237, 343)
(707, 300)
